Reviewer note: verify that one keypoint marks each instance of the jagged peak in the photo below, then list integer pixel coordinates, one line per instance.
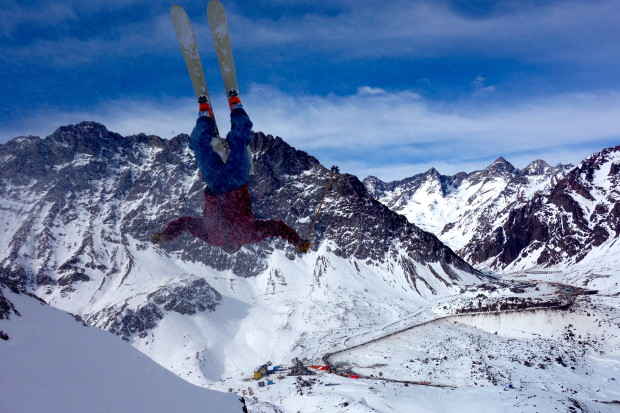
(432, 172)
(598, 158)
(501, 165)
(373, 179)
(84, 137)
(537, 167)
(81, 127)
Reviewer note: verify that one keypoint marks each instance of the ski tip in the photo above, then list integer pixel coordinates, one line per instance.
(214, 5)
(176, 10)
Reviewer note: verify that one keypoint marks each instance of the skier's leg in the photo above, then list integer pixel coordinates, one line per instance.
(210, 164)
(240, 126)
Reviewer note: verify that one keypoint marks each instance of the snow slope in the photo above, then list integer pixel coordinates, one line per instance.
(52, 363)
(298, 308)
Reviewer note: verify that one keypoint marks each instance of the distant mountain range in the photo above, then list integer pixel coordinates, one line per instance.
(507, 219)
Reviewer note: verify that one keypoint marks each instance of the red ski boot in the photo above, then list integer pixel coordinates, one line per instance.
(233, 99)
(204, 108)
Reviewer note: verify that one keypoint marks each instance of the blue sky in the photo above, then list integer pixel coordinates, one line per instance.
(389, 88)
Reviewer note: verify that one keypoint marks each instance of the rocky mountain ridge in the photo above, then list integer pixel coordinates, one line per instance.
(459, 208)
(78, 206)
(505, 219)
(580, 213)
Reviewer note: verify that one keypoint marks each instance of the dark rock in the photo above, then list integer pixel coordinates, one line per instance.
(197, 296)
(6, 307)
(557, 223)
(138, 321)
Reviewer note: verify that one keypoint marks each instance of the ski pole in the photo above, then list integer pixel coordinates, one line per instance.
(334, 171)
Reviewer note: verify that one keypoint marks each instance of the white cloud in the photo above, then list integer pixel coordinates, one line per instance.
(390, 135)
(367, 90)
(561, 31)
(480, 87)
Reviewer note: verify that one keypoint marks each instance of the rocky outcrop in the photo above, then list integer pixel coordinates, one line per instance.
(579, 213)
(464, 208)
(186, 297)
(6, 307)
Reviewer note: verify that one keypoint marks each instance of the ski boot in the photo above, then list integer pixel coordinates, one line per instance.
(204, 108)
(233, 99)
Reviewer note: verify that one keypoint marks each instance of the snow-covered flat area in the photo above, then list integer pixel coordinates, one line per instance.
(337, 394)
(534, 360)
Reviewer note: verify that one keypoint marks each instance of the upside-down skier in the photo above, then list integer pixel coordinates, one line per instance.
(227, 220)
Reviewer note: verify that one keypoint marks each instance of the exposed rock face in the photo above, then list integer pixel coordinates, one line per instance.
(189, 298)
(503, 218)
(78, 206)
(6, 307)
(581, 212)
(463, 208)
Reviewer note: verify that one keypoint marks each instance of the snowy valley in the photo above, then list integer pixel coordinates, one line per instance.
(392, 317)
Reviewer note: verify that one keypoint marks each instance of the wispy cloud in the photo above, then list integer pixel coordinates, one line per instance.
(480, 87)
(390, 135)
(49, 14)
(136, 39)
(549, 32)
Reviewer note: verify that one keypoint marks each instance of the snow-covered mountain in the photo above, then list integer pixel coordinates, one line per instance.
(561, 220)
(376, 295)
(461, 209)
(52, 362)
(574, 225)
(78, 206)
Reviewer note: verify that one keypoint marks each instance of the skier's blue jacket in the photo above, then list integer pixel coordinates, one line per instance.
(222, 177)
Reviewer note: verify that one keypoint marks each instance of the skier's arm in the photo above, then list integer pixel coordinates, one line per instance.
(193, 225)
(270, 228)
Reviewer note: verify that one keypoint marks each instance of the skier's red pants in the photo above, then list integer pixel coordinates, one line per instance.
(227, 221)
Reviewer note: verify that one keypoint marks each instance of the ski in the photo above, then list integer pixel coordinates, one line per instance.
(221, 40)
(189, 48)
(223, 50)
